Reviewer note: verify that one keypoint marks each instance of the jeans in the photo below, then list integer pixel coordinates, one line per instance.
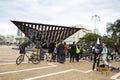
(96, 61)
(62, 58)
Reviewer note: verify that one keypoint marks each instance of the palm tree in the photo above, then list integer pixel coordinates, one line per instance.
(114, 29)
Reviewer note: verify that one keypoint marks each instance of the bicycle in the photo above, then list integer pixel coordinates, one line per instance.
(34, 58)
(117, 58)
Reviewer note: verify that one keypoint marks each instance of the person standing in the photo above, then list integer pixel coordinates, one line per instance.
(66, 49)
(96, 52)
(77, 53)
(72, 52)
(61, 53)
(54, 54)
(104, 53)
(41, 53)
(51, 50)
(116, 50)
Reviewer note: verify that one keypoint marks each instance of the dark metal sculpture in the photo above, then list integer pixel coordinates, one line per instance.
(45, 32)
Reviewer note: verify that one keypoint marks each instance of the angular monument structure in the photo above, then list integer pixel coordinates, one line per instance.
(45, 32)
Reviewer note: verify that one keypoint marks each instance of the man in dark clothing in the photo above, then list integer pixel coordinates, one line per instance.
(96, 52)
(22, 48)
(51, 49)
(72, 52)
(61, 53)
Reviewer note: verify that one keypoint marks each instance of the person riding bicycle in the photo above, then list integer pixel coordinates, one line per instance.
(22, 48)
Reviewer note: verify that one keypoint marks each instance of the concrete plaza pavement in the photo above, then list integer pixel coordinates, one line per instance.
(48, 70)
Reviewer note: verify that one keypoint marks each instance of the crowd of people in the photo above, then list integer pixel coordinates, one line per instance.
(74, 52)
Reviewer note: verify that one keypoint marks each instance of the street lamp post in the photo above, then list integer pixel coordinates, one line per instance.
(95, 18)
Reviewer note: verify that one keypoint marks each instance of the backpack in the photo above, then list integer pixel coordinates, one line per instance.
(97, 50)
(104, 51)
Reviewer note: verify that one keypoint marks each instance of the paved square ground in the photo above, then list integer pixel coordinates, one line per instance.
(48, 71)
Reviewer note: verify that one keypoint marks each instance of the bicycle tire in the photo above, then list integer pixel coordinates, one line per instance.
(20, 59)
(117, 59)
(35, 59)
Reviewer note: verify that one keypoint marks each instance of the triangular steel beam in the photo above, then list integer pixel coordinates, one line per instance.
(45, 32)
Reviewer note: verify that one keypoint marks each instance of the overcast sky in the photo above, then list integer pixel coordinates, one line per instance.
(58, 12)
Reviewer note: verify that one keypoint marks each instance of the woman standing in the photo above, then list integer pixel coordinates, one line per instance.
(104, 53)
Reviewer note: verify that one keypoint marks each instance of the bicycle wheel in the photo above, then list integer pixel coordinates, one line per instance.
(35, 59)
(117, 58)
(20, 59)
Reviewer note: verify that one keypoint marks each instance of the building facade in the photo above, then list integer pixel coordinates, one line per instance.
(76, 36)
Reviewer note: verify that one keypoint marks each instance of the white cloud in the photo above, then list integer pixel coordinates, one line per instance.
(6, 29)
(59, 12)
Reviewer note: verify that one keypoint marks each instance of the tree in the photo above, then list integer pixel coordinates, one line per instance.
(109, 41)
(114, 29)
(89, 39)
